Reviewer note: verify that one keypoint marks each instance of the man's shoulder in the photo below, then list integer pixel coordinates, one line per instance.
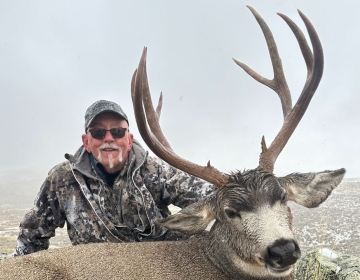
(61, 170)
(156, 165)
(152, 161)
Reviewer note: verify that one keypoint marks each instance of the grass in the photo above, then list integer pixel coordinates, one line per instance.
(319, 266)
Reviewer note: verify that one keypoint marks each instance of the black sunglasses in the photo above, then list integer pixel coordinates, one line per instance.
(99, 133)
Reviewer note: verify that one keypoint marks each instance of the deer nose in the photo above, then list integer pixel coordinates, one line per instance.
(283, 253)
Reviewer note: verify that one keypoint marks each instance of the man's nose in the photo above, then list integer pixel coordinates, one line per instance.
(108, 137)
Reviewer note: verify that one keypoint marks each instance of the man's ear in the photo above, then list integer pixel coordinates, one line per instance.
(192, 219)
(131, 141)
(311, 189)
(85, 141)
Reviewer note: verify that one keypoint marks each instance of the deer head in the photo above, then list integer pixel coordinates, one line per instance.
(252, 235)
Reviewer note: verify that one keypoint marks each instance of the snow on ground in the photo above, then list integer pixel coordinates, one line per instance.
(335, 224)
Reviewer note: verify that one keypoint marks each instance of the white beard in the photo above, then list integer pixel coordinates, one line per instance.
(110, 156)
(111, 159)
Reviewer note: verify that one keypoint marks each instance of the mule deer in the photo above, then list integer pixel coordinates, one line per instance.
(252, 237)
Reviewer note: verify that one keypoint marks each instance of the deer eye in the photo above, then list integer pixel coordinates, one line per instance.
(284, 198)
(231, 214)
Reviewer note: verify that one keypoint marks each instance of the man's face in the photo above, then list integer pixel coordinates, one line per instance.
(111, 152)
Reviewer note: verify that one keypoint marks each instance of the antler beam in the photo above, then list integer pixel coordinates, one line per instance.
(154, 137)
(292, 115)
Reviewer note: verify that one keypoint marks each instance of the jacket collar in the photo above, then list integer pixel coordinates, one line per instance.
(81, 160)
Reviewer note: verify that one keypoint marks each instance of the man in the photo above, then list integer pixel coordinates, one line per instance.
(109, 191)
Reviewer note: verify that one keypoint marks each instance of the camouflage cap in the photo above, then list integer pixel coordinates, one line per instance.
(102, 106)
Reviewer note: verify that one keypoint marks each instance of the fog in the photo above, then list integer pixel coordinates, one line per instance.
(58, 57)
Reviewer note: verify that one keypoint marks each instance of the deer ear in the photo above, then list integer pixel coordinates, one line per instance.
(192, 219)
(311, 189)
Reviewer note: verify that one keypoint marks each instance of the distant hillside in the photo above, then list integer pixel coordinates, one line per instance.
(20, 186)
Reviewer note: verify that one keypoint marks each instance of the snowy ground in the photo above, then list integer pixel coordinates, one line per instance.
(335, 224)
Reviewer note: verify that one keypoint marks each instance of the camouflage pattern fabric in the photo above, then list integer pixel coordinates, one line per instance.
(95, 212)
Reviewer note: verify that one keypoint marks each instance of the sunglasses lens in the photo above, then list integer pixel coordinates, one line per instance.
(98, 133)
(118, 132)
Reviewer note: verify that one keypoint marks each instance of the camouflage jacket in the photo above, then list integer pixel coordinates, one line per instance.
(94, 212)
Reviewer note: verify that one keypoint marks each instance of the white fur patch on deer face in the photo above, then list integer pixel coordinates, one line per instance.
(266, 225)
(259, 269)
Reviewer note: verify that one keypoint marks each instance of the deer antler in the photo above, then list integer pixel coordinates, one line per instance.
(292, 116)
(154, 137)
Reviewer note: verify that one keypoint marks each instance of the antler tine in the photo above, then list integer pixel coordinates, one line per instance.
(152, 116)
(315, 71)
(278, 83)
(159, 106)
(154, 139)
(304, 46)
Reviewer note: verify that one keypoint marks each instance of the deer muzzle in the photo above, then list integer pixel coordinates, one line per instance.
(282, 254)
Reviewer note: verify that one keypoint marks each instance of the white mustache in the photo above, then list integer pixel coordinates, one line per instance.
(109, 146)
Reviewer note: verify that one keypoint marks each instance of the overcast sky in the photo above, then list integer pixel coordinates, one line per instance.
(58, 57)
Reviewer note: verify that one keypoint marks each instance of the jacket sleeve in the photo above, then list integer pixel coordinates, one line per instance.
(180, 188)
(39, 224)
